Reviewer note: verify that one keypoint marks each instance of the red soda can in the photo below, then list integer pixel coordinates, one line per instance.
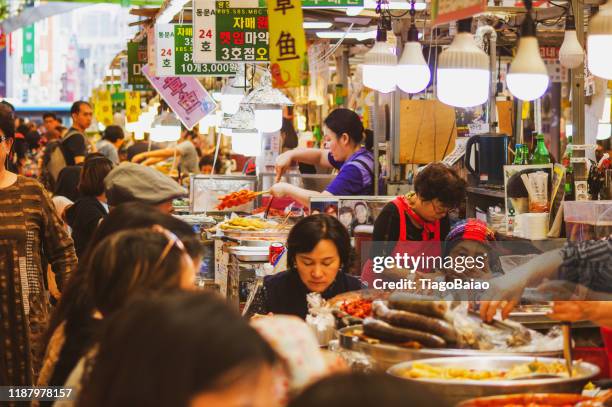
(276, 250)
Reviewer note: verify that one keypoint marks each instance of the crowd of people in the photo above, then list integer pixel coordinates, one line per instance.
(98, 235)
(124, 316)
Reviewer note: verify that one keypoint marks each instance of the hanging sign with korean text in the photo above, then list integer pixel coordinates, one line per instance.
(323, 3)
(137, 59)
(29, 50)
(132, 106)
(164, 49)
(287, 42)
(103, 106)
(183, 56)
(151, 60)
(185, 95)
(445, 11)
(204, 31)
(241, 33)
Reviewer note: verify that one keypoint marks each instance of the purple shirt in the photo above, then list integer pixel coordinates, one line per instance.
(355, 175)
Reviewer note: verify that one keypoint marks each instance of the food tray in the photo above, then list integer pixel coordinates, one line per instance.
(250, 254)
(454, 391)
(385, 355)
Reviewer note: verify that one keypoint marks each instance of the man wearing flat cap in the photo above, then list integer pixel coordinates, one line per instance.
(133, 182)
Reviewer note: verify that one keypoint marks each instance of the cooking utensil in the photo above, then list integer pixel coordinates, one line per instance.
(268, 208)
(566, 327)
(454, 391)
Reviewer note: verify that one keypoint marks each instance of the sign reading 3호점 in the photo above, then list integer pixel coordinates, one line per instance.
(222, 33)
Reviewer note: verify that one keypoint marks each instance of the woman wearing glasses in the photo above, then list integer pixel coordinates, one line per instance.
(30, 230)
(420, 216)
(137, 250)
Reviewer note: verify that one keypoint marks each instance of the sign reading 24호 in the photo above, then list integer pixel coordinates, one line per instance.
(164, 49)
(204, 31)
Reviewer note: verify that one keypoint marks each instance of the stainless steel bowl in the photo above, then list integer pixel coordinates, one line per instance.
(455, 391)
(384, 355)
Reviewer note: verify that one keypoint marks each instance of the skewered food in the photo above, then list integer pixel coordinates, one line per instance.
(236, 199)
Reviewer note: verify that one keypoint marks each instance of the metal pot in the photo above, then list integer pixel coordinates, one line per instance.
(454, 391)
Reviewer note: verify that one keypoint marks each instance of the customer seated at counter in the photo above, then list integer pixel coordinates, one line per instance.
(318, 252)
(419, 216)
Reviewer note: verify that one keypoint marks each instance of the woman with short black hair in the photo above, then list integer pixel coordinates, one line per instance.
(419, 216)
(83, 217)
(111, 142)
(318, 253)
(182, 349)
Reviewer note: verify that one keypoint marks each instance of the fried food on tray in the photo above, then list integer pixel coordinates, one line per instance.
(251, 224)
(359, 308)
(236, 199)
(425, 371)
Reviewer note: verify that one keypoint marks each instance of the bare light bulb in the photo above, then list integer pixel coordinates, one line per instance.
(379, 65)
(463, 71)
(413, 73)
(599, 42)
(571, 54)
(528, 77)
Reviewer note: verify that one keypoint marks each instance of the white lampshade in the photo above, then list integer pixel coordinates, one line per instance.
(463, 73)
(165, 128)
(604, 131)
(379, 65)
(268, 119)
(247, 143)
(571, 54)
(528, 77)
(599, 42)
(413, 73)
(230, 103)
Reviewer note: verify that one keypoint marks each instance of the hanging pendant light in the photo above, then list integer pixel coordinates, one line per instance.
(379, 64)
(528, 77)
(599, 42)
(463, 70)
(413, 73)
(571, 54)
(267, 103)
(232, 92)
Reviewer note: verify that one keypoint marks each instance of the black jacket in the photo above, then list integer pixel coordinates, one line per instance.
(83, 217)
(285, 293)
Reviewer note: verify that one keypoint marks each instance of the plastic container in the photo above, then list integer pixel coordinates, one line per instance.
(584, 220)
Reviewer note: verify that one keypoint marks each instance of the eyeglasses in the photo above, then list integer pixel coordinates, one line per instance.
(439, 208)
(173, 240)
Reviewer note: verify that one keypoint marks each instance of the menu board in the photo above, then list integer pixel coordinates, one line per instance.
(183, 56)
(241, 34)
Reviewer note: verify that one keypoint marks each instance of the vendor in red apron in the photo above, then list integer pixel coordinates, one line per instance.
(420, 216)
(348, 150)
